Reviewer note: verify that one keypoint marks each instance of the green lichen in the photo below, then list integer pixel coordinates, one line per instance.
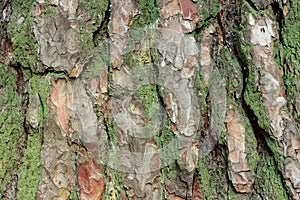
(112, 131)
(289, 52)
(269, 179)
(113, 187)
(209, 9)
(99, 62)
(209, 178)
(231, 69)
(96, 10)
(30, 173)
(253, 99)
(202, 90)
(253, 8)
(24, 43)
(50, 9)
(148, 94)
(148, 14)
(91, 35)
(252, 95)
(24, 162)
(142, 50)
(11, 121)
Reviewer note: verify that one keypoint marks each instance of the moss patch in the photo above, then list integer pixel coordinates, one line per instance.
(11, 124)
(148, 13)
(208, 10)
(20, 30)
(91, 35)
(213, 175)
(29, 176)
(289, 52)
(99, 62)
(202, 90)
(142, 48)
(270, 184)
(113, 185)
(252, 95)
(148, 94)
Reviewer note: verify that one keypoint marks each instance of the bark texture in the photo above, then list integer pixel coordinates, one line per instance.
(157, 99)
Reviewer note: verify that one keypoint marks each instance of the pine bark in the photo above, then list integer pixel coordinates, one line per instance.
(158, 99)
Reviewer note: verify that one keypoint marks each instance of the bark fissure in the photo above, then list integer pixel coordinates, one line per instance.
(87, 77)
(101, 32)
(261, 135)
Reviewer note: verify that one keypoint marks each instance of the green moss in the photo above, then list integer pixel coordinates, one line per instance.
(29, 176)
(12, 132)
(250, 146)
(113, 185)
(208, 10)
(24, 43)
(291, 36)
(289, 52)
(96, 10)
(269, 179)
(148, 13)
(231, 70)
(273, 145)
(11, 121)
(98, 63)
(50, 9)
(253, 99)
(148, 94)
(252, 95)
(209, 182)
(254, 10)
(202, 90)
(112, 132)
(142, 50)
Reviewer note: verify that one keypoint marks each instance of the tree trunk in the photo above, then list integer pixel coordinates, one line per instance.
(157, 99)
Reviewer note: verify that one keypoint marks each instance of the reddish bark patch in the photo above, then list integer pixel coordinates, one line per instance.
(59, 102)
(196, 189)
(90, 180)
(174, 197)
(189, 10)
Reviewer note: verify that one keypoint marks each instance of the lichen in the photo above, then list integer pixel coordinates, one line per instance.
(270, 183)
(208, 10)
(252, 95)
(112, 132)
(210, 175)
(27, 163)
(99, 61)
(96, 10)
(202, 90)
(148, 94)
(142, 48)
(289, 52)
(90, 35)
(30, 171)
(231, 69)
(148, 13)
(11, 122)
(113, 185)
(20, 30)
(252, 7)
